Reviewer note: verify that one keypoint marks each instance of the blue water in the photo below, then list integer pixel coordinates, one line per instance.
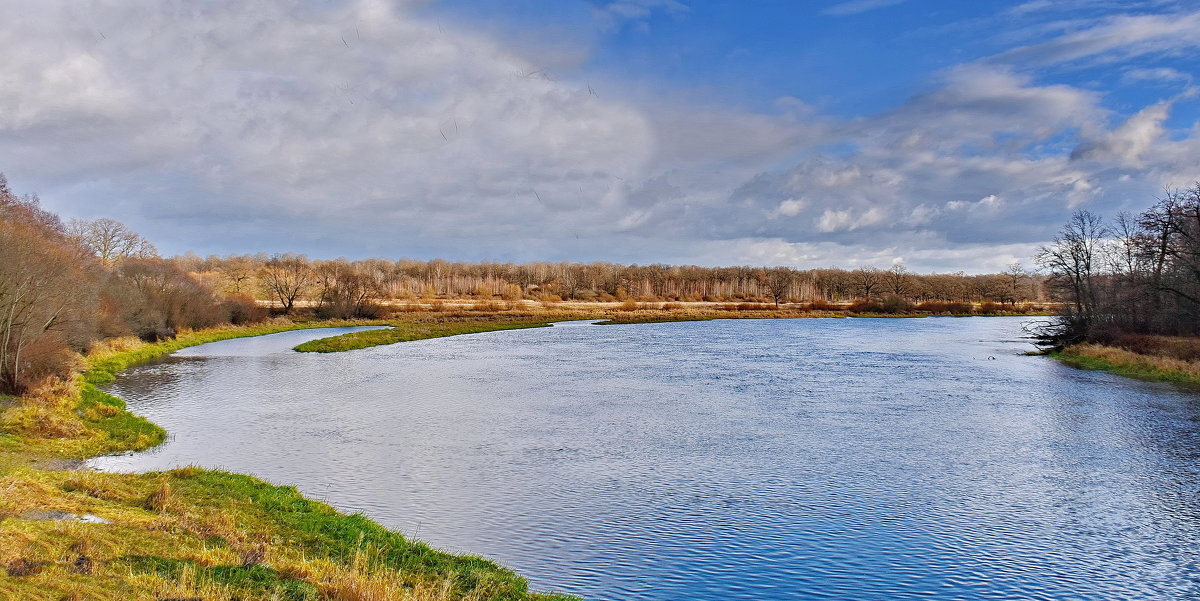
(780, 459)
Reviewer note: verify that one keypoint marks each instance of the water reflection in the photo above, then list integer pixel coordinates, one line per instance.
(854, 458)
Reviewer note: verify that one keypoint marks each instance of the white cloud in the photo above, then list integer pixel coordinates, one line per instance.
(849, 220)
(1119, 37)
(989, 203)
(791, 207)
(1127, 144)
(854, 7)
(316, 113)
(1156, 74)
(616, 13)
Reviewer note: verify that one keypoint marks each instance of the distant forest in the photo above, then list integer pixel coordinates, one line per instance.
(64, 286)
(289, 279)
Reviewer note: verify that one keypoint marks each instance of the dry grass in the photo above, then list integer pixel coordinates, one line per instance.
(1175, 347)
(46, 411)
(1129, 363)
(222, 537)
(186, 586)
(160, 500)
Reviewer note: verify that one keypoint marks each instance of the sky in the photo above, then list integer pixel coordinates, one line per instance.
(938, 134)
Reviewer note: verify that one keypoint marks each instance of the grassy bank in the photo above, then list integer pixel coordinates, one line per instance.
(1152, 366)
(407, 331)
(73, 534)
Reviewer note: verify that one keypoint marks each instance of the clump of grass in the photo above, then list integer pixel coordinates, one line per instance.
(187, 471)
(97, 485)
(46, 412)
(160, 499)
(181, 577)
(989, 308)
(122, 430)
(79, 555)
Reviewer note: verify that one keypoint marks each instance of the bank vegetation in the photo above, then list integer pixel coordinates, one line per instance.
(1129, 290)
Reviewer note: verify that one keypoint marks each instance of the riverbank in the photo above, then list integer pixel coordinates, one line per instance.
(1156, 359)
(70, 533)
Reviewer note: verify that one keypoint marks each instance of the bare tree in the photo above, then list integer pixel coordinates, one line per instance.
(897, 279)
(1014, 276)
(110, 240)
(777, 282)
(286, 277)
(1074, 260)
(867, 279)
(44, 291)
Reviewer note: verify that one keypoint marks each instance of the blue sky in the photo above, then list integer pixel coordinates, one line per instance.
(941, 135)
(753, 52)
(848, 58)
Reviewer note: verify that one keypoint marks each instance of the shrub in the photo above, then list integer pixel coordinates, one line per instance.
(989, 308)
(953, 308)
(512, 292)
(889, 305)
(243, 310)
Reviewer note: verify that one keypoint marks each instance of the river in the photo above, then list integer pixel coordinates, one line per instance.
(733, 459)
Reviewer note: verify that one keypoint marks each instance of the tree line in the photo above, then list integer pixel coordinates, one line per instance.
(339, 287)
(1138, 274)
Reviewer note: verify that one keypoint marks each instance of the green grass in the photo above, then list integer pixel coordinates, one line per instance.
(318, 530)
(219, 535)
(408, 331)
(124, 431)
(251, 580)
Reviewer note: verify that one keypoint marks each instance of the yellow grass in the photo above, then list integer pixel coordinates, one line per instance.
(1132, 364)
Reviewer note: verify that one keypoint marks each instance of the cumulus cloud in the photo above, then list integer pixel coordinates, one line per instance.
(1128, 143)
(314, 113)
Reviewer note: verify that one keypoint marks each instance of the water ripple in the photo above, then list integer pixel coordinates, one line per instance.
(788, 459)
